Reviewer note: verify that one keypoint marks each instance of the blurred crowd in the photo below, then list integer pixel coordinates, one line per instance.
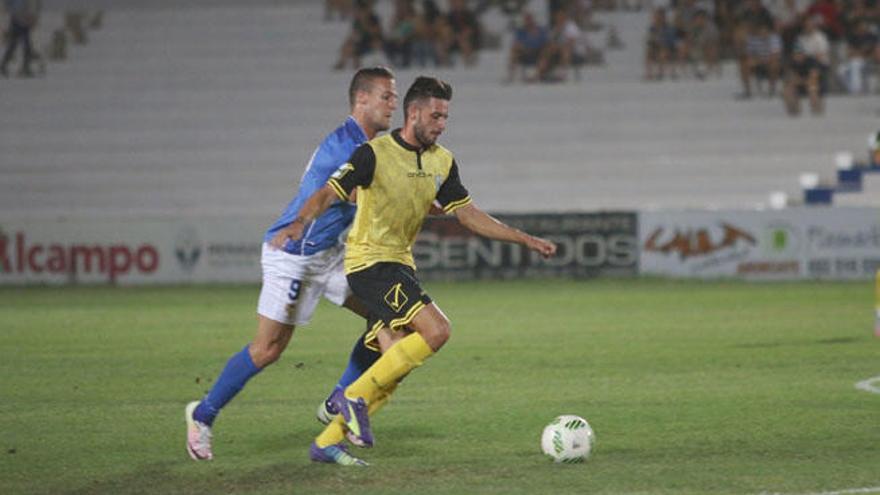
(550, 53)
(417, 34)
(799, 49)
(24, 17)
(448, 32)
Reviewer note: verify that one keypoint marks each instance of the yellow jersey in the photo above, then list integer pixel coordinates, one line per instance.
(397, 183)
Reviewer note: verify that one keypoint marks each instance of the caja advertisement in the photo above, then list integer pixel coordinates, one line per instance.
(589, 245)
(833, 243)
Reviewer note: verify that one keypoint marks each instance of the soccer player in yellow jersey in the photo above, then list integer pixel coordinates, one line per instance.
(398, 177)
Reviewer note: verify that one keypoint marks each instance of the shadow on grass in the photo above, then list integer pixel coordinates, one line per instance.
(800, 343)
(287, 478)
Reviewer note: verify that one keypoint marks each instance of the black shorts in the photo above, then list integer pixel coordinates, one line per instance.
(392, 295)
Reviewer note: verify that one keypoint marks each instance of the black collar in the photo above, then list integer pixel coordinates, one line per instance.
(403, 144)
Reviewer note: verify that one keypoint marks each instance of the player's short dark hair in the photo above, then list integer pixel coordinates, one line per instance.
(363, 80)
(426, 87)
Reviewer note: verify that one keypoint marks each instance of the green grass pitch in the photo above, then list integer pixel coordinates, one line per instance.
(691, 387)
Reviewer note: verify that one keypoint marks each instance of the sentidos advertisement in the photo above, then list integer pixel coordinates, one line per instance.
(589, 245)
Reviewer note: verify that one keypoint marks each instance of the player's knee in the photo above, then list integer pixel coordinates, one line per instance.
(264, 355)
(438, 333)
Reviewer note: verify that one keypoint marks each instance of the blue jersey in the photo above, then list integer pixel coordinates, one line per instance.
(326, 231)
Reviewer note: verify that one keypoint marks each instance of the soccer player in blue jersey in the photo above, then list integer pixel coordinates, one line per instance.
(300, 272)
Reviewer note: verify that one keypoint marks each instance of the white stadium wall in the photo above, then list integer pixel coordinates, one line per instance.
(795, 243)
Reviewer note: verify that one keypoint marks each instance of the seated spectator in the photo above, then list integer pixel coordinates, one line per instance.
(660, 46)
(568, 47)
(861, 50)
(443, 40)
(705, 45)
(464, 31)
(426, 33)
(365, 36)
(803, 77)
(749, 14)
(752, 12)
(815, 43)
(23, 17)
(399, 42)
(529, 43)
(683, 20)
(581, 12)
(763, 58)
(788, 24)
(858, 11)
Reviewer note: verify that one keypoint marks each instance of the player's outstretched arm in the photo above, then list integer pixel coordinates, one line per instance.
(479, 222)
(312, 209)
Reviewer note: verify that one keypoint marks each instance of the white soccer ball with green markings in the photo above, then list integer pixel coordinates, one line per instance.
(568, 439)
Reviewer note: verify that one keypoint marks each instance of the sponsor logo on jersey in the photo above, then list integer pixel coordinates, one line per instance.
(395, 297)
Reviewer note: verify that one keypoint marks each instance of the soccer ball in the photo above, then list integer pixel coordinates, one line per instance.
(568, 439)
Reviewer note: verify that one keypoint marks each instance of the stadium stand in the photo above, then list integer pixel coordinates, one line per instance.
(214, 108)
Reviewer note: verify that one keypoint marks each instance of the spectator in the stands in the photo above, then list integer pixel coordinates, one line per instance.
(365, 37)
(464, 31)
(660, 46)
(581, 11)
(857, 11)
(815, 43)
(427, 33)
(861, 53)
(567, 47)
(401, 34)
(682, 22)
(749, 14)
(787, 15)
(23, 17)
(762, 59)
(530, 41)
(705, 45)
(554, 6)
(803, 77)
(584, 50)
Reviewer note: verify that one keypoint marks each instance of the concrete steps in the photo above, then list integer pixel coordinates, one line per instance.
(215, 108)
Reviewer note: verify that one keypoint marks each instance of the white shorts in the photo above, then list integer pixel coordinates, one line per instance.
(292, 284)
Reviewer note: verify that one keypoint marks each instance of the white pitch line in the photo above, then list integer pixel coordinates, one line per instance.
(870, 385)
(849, 491)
